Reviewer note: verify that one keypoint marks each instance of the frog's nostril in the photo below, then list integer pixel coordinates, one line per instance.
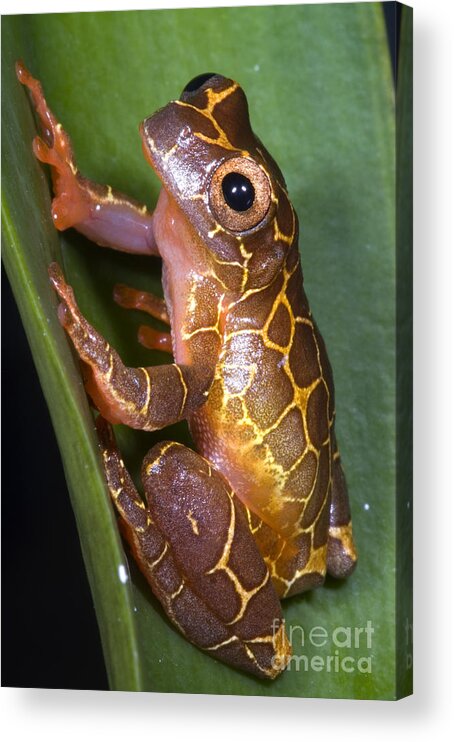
(198, 81)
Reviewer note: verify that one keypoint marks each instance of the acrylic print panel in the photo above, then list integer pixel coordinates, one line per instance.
(321, 96)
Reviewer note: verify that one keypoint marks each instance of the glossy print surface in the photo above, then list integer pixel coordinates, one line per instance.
(265, 512)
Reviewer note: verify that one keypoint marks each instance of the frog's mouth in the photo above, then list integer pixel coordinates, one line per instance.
(183, 254)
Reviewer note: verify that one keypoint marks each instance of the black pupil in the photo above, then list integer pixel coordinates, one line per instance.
(238, 191)
(198, 81)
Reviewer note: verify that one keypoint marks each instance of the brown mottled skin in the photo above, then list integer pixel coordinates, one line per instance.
(261, 511)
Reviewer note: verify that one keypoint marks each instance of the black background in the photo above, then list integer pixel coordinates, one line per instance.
(48, 612)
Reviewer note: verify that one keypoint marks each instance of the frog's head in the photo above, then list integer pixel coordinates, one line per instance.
(222, 180)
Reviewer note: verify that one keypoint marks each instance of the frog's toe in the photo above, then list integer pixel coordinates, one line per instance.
(154, 340)
(71, 204)
(42, 151)
(58, 282)
(130, 298)
(341, 557)
(69, 314)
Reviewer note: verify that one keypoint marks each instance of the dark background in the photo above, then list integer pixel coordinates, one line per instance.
(48, 611)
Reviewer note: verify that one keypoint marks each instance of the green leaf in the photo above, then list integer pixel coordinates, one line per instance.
(319, 85)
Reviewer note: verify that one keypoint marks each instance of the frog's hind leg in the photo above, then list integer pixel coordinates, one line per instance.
(130, 298)
(342, 557)
(194, 547)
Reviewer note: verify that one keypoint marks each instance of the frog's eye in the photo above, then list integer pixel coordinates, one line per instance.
(198, 81)
(239, 194)
(238, 191)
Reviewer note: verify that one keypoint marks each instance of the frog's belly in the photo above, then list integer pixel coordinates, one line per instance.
(269, 437)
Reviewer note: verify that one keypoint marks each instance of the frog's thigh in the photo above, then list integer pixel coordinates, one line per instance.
(225, 601)
(194, 547)
(341, 559)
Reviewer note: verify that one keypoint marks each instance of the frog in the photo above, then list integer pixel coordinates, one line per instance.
(258, 510)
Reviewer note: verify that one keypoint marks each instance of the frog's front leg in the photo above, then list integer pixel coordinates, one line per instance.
(193, 544)
(143, 398)
(99, 212)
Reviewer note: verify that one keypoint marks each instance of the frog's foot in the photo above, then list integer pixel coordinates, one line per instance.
(89, 344)
(130, 298)
(342, 557)
(93, 349)
(113, 388)
(193, 545)
(71, 204)
(295, 565)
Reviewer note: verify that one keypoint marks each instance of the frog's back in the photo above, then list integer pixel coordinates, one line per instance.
(267, 423)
